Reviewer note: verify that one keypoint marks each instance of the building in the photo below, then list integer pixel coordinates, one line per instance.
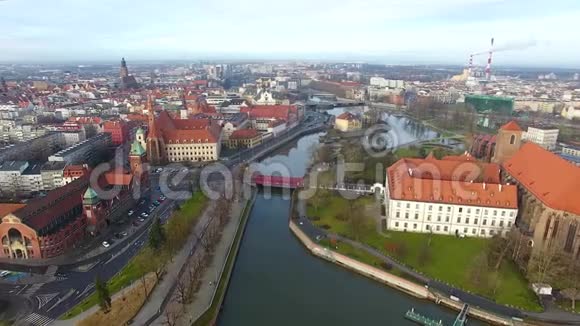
(234, 122)
(71, 133)
(546, 138)
(52, 175)
(261, 116)
(347, 122)
(495, 104)
(456, 195)
(126, 81)
(571, 150)
(73, 172)
(181, 140)
(119, 131)
(548, 196)
(83, 152)
(507, 142)
(244, 138)
(10, 176)
(38, 148)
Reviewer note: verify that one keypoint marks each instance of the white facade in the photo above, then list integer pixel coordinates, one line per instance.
(276, 130)
(449, 219)
(390, 83)
(193, 152)
(546, 138)
(572, 151)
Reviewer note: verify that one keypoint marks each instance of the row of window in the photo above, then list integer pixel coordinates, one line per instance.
(460, 210)
(445, 228)
(467, 220)
(190, 147)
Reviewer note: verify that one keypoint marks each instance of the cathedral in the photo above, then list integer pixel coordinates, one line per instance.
(126, 81)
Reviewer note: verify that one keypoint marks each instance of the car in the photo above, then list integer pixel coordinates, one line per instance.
(106, 244)
(151, 209)
(131, 212)
(142, 202)
(124, 233)
(141, 220)
(156, 203)
(159, 170)
(145, 215)
(5, 273)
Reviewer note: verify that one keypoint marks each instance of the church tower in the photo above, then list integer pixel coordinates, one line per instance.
(508, 142)
(137, 162)
(124, 73)
(155, 143)
(141, 138)
(94, 211)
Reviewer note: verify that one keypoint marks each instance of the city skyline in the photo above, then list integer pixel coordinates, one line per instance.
(389, 32)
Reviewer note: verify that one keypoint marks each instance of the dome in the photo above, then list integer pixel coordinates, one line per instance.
(137, 149)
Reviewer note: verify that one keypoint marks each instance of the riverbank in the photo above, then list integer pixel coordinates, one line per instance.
(209, 315)
(401, 284)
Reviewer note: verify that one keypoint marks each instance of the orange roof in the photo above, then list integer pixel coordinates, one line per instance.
(244, 134)
(464, 157)
(511, 126)
(413, 180)
(6, 209)
(551, 179)
(75, 171)
(118, 178)
(347, 116)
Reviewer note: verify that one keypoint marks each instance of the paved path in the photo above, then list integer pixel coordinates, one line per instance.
(162, 289)
(204, 296)
(551, 315)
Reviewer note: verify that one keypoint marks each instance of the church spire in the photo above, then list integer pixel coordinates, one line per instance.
(124, 73)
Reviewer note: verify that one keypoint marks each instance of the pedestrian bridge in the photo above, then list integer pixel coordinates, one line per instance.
(352, 187)
(277, 181)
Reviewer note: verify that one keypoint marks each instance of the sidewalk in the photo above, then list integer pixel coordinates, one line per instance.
(153, 304)
(205, 294)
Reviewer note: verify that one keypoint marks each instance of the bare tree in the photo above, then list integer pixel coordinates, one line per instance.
(572, 283)
(171, 317)
(546, 265)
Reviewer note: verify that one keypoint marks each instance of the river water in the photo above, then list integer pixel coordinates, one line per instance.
(277, 282)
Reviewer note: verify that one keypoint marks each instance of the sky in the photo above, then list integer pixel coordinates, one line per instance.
(539, 33)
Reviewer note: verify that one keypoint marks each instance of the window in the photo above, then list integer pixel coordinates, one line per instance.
(447, 219)
(511, 214)
(430, 207)
(484, 222)
(438, 218)
(485, 212)
(429, 217)
(414, 226)
(417, 206)
(449, 209)
(464, 230)
(491, 232)
(396, 224)
(407, 215)
(446, 229)
(427, 227)
(494, 212)
(473, 231)
(469, 211)
(509, 224)
(467, 220)
(512, 139)
(440, 208)
(405, 225)
(477, 211)
(492, 222)
(438, 228)
(475, 221)
(416, 216)
(459, 220)
(398, 204)
(408, 205)
(502, 213)
(460, 209)
(397, 214)
(482, 232)
(501, 224)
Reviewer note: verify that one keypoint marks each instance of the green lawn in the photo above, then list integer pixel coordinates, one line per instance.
(451, 258)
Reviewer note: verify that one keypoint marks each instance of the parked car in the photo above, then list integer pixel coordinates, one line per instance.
(156, 203)
(106, 244)
(124, 233)
(144, 214)
(131, 212)
(141, 220)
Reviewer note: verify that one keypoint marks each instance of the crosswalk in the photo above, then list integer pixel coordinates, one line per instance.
(35, 319)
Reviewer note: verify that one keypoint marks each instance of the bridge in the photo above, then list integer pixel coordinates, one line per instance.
(277, 181)
(462, 317)
(352, 187)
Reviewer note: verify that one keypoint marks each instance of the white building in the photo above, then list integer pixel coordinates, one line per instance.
(571, 151)
(386, 83)
(426, 195)
(546, 138)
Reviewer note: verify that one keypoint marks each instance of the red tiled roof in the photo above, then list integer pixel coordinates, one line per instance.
(118, 178)
(75, 171)
(464, 158)
(511, 126)
(244, 134)
(6, 209)
(553, 180)
(413, 180)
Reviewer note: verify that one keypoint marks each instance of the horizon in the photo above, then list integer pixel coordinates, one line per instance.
(414, 32)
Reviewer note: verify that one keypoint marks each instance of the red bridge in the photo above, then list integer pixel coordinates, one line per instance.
(277, 181)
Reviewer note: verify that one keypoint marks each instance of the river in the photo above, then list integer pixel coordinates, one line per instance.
(277, 282)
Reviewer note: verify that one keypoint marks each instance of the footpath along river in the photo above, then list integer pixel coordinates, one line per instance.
(277, 282)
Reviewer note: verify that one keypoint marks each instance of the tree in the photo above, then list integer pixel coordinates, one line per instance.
(103, 294)
(401, 251)
(156, 235)
(478, 272)
(424, 257)
(572, 283)
(499, 248)
(546, 265)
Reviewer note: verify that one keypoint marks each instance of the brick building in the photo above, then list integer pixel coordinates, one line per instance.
(119, 131)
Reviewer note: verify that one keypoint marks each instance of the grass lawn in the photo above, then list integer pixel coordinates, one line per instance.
(123, 308)
(450, 260)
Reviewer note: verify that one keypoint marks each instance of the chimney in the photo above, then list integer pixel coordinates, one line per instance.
(484, 186)
(410, 172)
(500, 186)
